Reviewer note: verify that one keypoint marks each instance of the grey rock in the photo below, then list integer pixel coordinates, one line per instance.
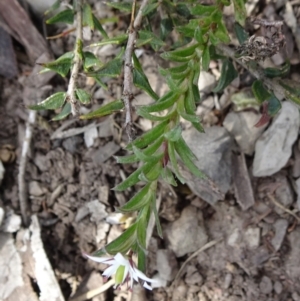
(105, 152)
(283, 194)
(280, 227)
(206, 82)
(2, 171)
(89, 136)
(241, 126)
(278, 287)
(1, 215)
(35, 189)
(71, 144)
(166, 264)
(187, 234)
(193, 277)
(227, 280)
(298, 192)
(266, 285)
(292, 259)
(213, 152)
(97, 211)
(11, 223)
(274, 148)
(296, 165)
(252, 237)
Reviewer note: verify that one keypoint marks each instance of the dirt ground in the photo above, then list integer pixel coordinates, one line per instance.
(254, 253)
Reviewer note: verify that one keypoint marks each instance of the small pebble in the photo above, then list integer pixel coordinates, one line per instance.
(277, 287)
(266, 285)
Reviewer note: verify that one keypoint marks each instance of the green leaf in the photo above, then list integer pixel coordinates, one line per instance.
(240, 33)
(53, 7)
(138, 201)
(150, 8)
(149, 136)
(260, 92)
(205, 59)
(107, 109)
(199, 36)
(141, 155)
(214, 55)
(140, 80)
(66, 110)
(142, 260)
(61, 65)
(222, 33)
(153, 174)
(142, 223)
(167, 176)
(83, 96)
(292, 90)
(122, 243)
(274, 105)
(65, 16)
(143, 113)
(157, 221)
(87, 16)
(240, 12)
(180, 55)
(53, 102)
(99, 27)
(166, 26)
(187, 157)
(150, 150)
(111, 69)
(228, 74)
(174, 134)
(202, 10)
(115, 40)
(278, 72)
(173, 160)
(148, 37)
(134, 177)
(122, 6)
(90, 60)
(163, 103)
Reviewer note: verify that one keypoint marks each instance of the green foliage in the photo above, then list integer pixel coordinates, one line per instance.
(61, 65)
(65, 16)
(53, 102)
(228, 74)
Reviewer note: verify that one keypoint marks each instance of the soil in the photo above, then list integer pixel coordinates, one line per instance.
(65, 178)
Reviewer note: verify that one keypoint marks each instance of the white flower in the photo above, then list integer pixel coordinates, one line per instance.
(123, 269)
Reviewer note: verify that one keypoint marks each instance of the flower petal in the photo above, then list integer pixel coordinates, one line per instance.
(142, 276)
(98, 259)
(110, 271)
(147, 286)
(121, 260)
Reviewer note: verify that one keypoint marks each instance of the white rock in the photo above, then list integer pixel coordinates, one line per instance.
(241, 126)
(206, 82)
(12, 222)
(166, 264)
(274, 148)
(252, 237)
(89, 136)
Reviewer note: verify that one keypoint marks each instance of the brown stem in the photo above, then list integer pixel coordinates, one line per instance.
(127, 94)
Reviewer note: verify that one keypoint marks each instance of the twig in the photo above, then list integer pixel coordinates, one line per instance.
(127, 94)
(272, 84)
(93, 293)
(270, 196)
(22, 167)
(71, 97)
(205, 247)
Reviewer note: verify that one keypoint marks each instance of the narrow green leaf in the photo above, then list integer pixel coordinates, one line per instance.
(53, 102)
(115, 40)
(112, 69)
(66, 111)
(83, 96)
(150, 150)
(173, 160)
(205, 58)
(240, 33)
(148, 37)
(167, 176)
(143, 113)
(53, 7)
(150, 8)
(185, 154)
(149, 136)
(184, 52)
(138, 201)
(214, 55)
(142, 260)
(222, 33)
(166, 26)
(90, 60)
(228, 74)
(65, 16)
(278, 72)
(141, 81)
(260, 92)
(123, 243)
(61, 65)
(122, 6)
(153, 174)
(107, 109)
(199, 37)
(141, 155)
(163, 103)
(99, 27)
(142, 223)
(134, 177)
(274, 105)
(174, 134)
(87, 16)
(240, 12)
(157, 221)
(202, 10)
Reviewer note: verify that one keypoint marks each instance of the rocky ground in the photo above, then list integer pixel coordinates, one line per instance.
(235, 237)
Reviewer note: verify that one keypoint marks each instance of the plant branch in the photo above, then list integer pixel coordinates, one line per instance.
(71, 97)
(256, 71)
(127, 94)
